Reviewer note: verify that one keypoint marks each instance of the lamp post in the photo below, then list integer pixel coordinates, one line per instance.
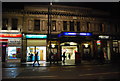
(49, 29)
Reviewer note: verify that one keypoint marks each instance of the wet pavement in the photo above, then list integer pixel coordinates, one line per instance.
(86, 70)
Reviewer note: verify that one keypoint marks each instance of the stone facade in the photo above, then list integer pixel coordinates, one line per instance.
(95, 21)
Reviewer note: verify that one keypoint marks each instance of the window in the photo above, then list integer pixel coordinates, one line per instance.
(37, 25)
(116, 27)
(78, 26)
(65, 25)
(115, 46)
(14, 24)
(101, 27)
(4, 24)
(71, 26)
(53, 25)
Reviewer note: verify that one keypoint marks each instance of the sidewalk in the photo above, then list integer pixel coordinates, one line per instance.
(47, 64)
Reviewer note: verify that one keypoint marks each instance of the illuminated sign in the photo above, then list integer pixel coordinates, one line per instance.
(15, 42)
(36, 36)
(69, 33)
(98, 42)
(3, 40)
(103, 37)
(11, 35)
(75, 34)
(85, 34)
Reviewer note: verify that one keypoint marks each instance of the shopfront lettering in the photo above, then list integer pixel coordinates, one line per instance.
(10, 35)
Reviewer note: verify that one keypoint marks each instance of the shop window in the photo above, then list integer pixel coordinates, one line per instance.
(53, 25)
(119, 46)
(65, 25)
(78, 26)
(115, 46)
(14, 24)
(13, 52)
(71, 25)
(4, 24)
(37, 25)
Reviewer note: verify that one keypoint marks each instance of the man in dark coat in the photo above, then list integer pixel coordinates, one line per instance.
(64, 57)
(36, 59)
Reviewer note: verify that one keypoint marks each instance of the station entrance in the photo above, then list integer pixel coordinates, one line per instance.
(69, 50)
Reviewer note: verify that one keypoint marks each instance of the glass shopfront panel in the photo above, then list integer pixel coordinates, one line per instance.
(13, 52)
(31, 50)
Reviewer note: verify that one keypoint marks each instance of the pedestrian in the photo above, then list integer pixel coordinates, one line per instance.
(31, 55)
(69, 56)
(64, 57)
(36, 59)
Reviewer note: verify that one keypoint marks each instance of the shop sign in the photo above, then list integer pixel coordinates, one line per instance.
(14, 42)
(98, 42)
(36, 36)
(11, 35)
(75, 34)
(103, 37)
(3, 40)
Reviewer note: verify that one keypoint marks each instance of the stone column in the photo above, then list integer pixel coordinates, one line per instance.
(75, 25)
(9, 24)
(68, 26)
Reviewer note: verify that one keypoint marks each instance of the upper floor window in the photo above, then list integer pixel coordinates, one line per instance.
(101, 27)
(71, 25)
(78, 26)
(53, 25)
(65, 25)
(116, 27)
(4, 24)
(37, 25)
(14, 24)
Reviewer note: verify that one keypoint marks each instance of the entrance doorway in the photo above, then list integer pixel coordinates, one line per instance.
(69, 54)
(86, 51)
(31, 50)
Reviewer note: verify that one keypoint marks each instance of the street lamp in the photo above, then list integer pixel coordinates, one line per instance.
(49, 29)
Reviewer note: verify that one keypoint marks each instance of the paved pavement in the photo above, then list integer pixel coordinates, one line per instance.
(43, 63)
(86, 70)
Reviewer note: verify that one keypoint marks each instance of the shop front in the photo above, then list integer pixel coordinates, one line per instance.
(68, 50)
(103, 44)
(115, 56)
(77, 46)
(11, 47)
(36, 43)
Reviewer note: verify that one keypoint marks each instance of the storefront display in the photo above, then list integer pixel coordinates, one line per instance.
(13, 52)
(33, 49)
(12, 47)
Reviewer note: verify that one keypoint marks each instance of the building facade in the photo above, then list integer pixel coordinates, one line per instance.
(56, 29)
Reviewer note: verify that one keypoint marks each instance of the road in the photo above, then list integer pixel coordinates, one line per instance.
(99, 72)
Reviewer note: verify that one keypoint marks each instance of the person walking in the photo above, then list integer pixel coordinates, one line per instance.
(64, 57)
(36, 59)
(69, 56)
(31, 56)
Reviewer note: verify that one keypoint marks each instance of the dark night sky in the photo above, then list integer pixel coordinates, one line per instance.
(113, 7)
